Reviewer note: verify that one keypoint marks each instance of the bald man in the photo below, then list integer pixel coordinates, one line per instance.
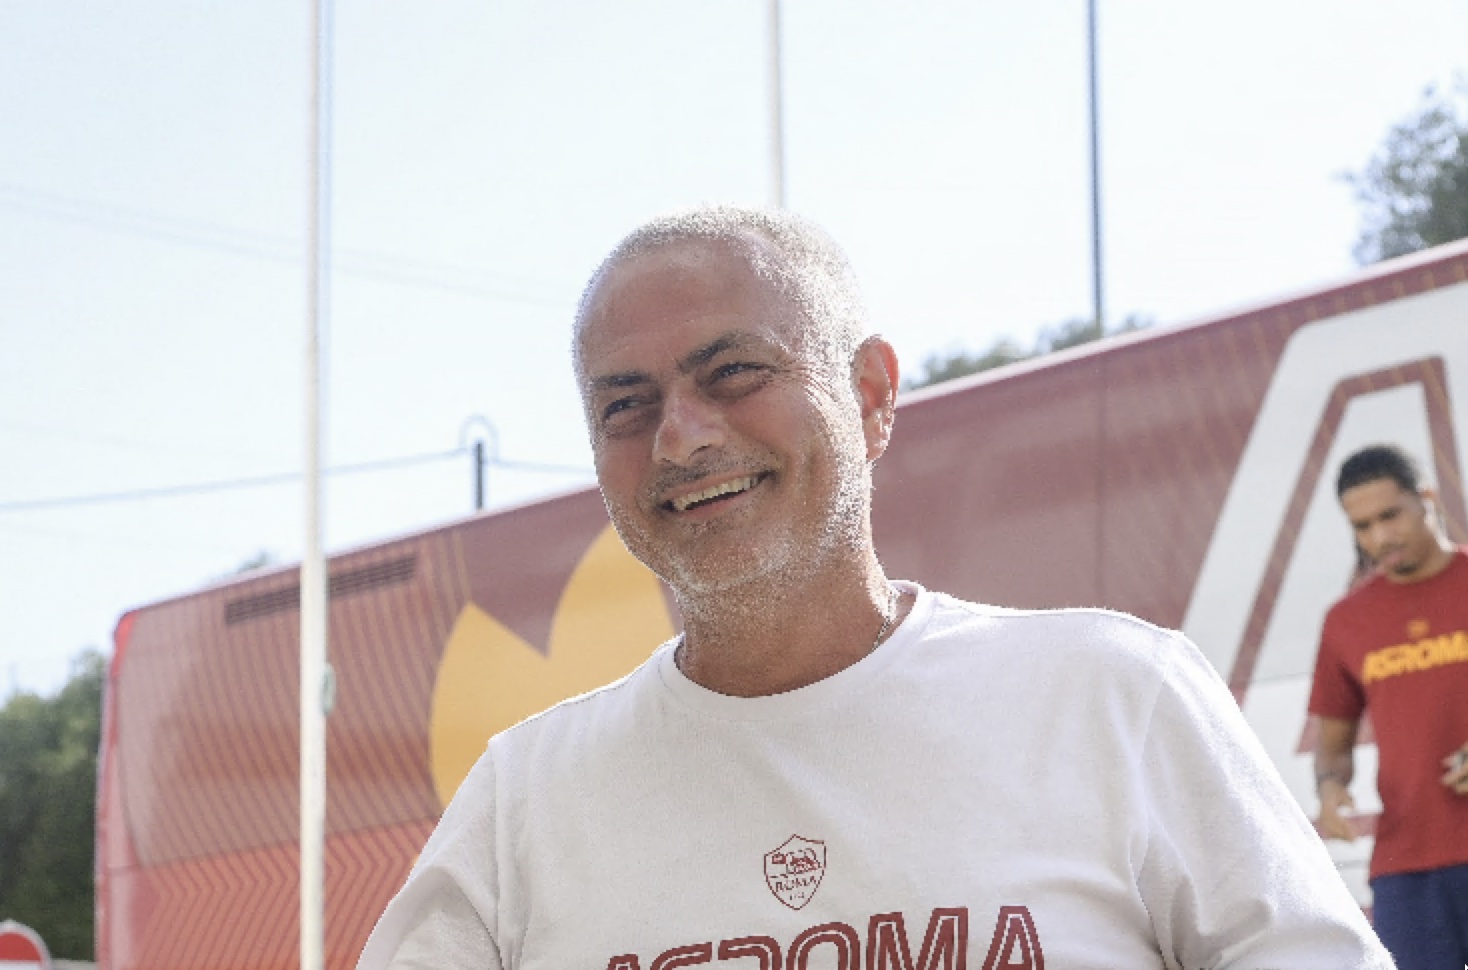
(828, 767)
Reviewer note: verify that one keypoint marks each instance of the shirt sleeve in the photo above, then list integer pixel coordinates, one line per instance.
(1234, 877)
(1335, 691)
(444, 916)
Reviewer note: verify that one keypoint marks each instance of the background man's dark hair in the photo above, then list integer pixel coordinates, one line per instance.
(1376, 462)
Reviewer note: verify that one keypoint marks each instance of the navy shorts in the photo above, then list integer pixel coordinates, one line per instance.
(1422, 917)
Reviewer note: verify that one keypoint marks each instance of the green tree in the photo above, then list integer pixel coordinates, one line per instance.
(939, 367)
(262, 559)
(944, 366)
(1413, 192)
(1075, 332)
(48, 792)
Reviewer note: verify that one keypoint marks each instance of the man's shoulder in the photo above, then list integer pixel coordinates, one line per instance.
(1369, 593)
(1084, 630)
(1059, 658)
(1458, 566)
(1364, 600)
(1362, 596)
(582, 715)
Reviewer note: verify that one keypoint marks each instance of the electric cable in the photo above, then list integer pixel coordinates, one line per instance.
(280, 249)
(283, 478)
(199, 488)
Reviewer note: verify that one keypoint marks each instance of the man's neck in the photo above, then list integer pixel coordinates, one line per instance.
(1441, 557)
(775, 637)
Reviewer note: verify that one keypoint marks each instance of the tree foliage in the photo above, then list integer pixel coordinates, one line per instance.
(946, 365)
(1413, 192)
(48, 791)
(262, 559)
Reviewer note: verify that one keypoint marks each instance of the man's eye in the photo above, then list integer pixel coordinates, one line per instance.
(733, 369)
(620, 406)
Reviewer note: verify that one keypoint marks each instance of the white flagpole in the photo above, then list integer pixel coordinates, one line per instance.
(315, 676)
(1098, 294)
(777, 110)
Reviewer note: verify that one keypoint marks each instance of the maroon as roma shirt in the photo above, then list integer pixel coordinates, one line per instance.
(1400, 650)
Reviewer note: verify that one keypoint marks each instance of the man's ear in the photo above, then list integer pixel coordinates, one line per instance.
(1432, 507)
(875, 376)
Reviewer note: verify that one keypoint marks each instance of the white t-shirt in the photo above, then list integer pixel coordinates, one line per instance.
(988, 789)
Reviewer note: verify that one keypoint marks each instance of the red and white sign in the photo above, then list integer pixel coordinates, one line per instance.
(21, 948)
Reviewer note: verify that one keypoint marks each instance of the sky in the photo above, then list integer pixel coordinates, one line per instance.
(485, 155)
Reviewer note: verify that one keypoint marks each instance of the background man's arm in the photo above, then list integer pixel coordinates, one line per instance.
(1335, 765)
(1456, 776)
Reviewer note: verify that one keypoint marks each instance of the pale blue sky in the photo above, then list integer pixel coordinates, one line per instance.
(152, 213)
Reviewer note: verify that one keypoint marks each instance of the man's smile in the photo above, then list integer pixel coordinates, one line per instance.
(714, 493)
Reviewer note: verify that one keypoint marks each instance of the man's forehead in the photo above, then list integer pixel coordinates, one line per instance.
(668, 286)
(1376, 492)
(681, 260)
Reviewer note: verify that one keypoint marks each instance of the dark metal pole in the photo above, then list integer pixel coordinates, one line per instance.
(1098, 305)
(483, 457)
(479, 475)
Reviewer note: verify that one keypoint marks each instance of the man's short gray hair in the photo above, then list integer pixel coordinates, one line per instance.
(797, 257)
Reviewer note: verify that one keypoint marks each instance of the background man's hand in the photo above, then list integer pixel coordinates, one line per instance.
(1456, 776)
(1336, 807)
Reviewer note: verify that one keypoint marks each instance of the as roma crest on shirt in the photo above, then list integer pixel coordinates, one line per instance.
(794, 870)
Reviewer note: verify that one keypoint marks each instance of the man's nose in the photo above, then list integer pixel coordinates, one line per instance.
(689, 423)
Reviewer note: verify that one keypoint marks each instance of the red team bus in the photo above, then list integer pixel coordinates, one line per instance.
(1184, 475)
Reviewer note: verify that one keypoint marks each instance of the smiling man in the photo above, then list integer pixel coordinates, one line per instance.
(1397, 646)
(734, 445)
(829, 768)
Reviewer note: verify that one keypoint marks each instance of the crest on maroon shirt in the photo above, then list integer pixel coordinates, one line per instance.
(794, 870)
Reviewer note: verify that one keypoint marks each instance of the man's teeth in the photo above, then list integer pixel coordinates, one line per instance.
(685, 502)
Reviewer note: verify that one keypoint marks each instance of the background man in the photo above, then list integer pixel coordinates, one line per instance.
(829, 768)
(1397, 645)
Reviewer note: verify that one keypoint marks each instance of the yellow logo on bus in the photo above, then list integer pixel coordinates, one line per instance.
(610, 618)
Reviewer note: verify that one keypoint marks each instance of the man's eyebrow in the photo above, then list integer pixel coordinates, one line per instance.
(609, 382)
(691, 361)
(729, 341)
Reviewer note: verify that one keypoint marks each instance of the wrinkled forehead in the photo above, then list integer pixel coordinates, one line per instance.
(667, 284)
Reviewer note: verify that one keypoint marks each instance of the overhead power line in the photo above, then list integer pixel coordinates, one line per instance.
(279, 249)
(124, 540)
(200, 488)
(540, 466)
(53, 433)
(258, 481)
